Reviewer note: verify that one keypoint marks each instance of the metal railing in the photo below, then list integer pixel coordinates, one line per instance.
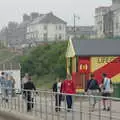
(41, 104)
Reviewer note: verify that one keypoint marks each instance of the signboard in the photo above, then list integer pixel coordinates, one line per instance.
(84, 65)
(17, 76)
(83, 68)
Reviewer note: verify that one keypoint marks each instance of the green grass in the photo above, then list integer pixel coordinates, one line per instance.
(8, 58)
(5, 54)
(44, 82)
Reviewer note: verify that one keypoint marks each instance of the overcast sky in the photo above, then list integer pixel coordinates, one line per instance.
(12, 10)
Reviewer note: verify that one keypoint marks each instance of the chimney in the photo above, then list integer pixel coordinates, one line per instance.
(115, 1)
(115, 4)
(34, 15)
(26, 17)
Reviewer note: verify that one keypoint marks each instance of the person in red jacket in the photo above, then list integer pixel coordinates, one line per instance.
(68, 88)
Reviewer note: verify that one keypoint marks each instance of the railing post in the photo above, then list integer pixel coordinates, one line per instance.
(46, 106)
(52, 113)
(40, 104)
(81, 112)
(73, 101)
(89, 107)
(99, 108)
(110, 109)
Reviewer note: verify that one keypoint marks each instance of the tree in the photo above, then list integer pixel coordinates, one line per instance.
(46, 59)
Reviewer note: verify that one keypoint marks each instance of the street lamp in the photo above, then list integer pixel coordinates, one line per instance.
(75, 17)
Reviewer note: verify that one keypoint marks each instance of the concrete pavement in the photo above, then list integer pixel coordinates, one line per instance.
(14, 115)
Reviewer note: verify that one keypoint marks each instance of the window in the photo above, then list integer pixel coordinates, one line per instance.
(45, 27)
(56, 27)
(56, 37)
(117, 26)
(60, 27)
(117, 23)
(60, 36)
(100, 27)
(45, 37)
(28, 29)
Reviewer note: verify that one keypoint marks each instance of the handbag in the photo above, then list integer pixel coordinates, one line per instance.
(111, 90)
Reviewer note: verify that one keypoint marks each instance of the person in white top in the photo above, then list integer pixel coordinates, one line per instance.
(59, 87)
(106, 84)
(25, 79)
(58, 97)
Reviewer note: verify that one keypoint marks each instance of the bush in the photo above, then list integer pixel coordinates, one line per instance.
(45, 60)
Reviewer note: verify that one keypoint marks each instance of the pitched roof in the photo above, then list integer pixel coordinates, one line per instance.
(48, 18)
(96, 47)
(23, 24)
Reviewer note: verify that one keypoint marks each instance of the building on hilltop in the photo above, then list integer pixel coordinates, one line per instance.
(107, 20)
(100, 12)
(80, 32)
(46, 28)
(34, 28)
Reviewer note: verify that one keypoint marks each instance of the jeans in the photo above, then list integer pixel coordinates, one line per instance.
(69, 101)
(58, 98)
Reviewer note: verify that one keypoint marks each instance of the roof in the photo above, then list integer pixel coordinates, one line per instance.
(48, 18)
(23, 24)
(81, 30)
(96, 47)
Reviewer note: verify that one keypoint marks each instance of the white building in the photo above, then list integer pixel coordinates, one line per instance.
(81, 32)
(99, 20)
(116, 17)
(107, 20)
(46, 27)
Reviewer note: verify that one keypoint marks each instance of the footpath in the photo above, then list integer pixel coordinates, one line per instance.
(13, 115)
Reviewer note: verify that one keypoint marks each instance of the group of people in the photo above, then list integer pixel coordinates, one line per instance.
(7, 85)
(105, 89)
(66, 88)
(63, 90)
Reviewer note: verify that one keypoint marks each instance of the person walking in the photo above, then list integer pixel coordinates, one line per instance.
(25, 79)
(8, 87)
(2, 77)
(11, 82)
(68, 88)
(107, 90)
(3, 86)
(13, 85)
(92, 89)
(28, 87)
(58, 97)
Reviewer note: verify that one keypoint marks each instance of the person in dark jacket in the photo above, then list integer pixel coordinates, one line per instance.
(92, 89)
(28, 87)
(58, 97)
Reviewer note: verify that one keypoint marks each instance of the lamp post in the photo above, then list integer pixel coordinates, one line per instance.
(75, 17)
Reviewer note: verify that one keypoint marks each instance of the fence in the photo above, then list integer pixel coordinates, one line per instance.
(43, 106)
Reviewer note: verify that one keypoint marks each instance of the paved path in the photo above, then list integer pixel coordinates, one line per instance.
(80, 109)
(2, 119)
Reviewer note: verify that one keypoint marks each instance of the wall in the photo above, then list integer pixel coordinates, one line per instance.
(99, 20)
(116, 20)
(109, 65)
(36, 32)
